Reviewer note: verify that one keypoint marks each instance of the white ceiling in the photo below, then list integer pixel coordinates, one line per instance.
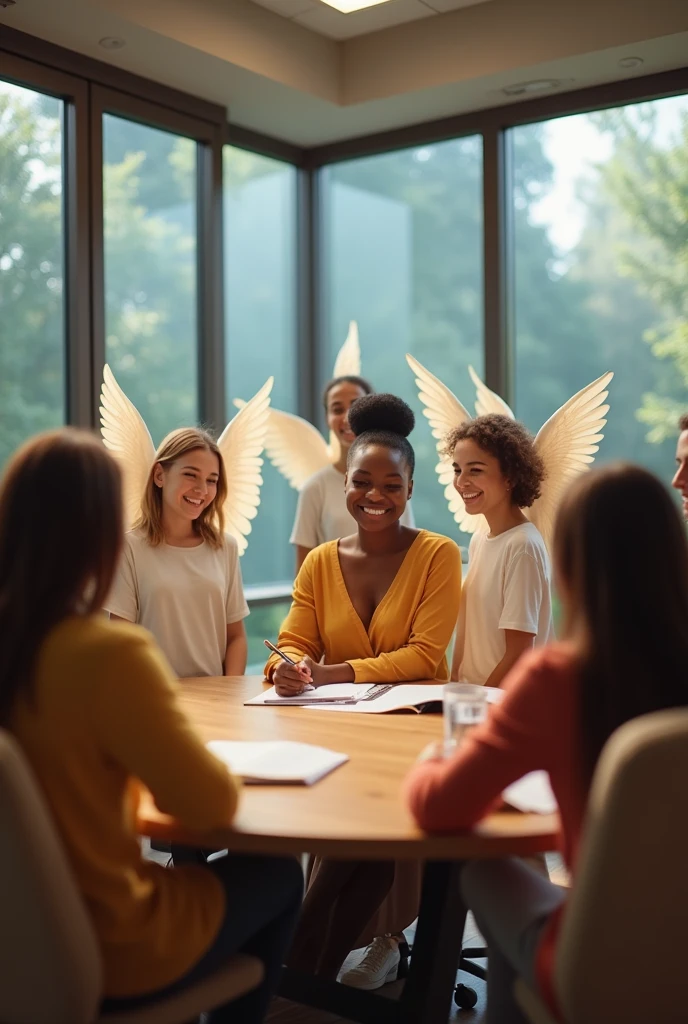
(280, 78)
(321, 18)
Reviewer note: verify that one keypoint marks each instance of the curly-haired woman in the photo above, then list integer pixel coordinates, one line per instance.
(506, 604)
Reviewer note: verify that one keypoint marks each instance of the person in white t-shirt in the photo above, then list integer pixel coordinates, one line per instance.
(506, 604)
(179, 572)
(321, 512)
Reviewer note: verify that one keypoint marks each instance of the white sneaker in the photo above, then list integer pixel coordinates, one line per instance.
(379, 965)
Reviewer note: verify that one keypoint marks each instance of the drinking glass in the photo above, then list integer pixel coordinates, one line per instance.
(463, 706)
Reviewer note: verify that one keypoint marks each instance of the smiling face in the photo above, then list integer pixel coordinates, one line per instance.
(378, 485)
(680, 481)
(339, 401)
(479, 480)
(189, 484)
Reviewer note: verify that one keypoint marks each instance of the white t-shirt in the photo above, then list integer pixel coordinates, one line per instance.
(186, 597)
(321, 512)
(507, 586)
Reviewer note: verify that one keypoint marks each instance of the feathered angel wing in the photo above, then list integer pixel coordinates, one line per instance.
(294, 446)
(347, 364)
(567, 443)
(241, 444)
(348, 361)
(444, 411)
(126, 435)
(487, 401)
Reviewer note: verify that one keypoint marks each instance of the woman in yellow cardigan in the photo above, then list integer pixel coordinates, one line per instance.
(92, 704)
(379, 606)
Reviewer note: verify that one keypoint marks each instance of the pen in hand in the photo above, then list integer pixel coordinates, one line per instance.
(287, 687)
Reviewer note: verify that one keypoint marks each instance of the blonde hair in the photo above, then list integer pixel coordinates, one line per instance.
(210, 525)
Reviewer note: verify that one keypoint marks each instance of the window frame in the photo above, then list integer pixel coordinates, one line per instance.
(90, 88)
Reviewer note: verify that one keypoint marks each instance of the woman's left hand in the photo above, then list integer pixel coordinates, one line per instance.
(314, 668)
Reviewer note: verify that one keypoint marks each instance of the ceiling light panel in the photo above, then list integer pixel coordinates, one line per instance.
(350, 6)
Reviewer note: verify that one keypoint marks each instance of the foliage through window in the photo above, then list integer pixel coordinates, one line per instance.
(403, 257)
(149, 182)
(600, 206)
(260, 305)
(32, 338)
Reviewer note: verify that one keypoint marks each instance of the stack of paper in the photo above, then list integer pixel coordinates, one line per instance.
(277, 761)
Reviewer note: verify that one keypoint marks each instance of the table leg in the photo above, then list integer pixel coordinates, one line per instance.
(428, 989)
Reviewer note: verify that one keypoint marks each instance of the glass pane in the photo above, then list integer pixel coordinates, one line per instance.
(32, 337)
(149, 180)
(263, 624)
(404, 258)
(601, 271)
(260, 303)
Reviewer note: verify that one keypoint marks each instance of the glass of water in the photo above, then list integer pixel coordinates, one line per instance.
(464, 706)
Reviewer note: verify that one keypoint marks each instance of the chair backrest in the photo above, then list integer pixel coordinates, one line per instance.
(622, 950)
(49, 957)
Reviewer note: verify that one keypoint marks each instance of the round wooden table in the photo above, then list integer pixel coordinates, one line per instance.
(355, 812)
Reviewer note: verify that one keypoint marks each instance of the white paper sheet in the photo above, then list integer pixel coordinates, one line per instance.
(532, 794)
(277, 761)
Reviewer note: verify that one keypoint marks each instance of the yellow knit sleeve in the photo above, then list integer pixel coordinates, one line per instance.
(300, 633)
(431, 629)
(137, 720)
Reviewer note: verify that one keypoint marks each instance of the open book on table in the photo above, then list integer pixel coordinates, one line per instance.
(356, 698)
(277, 761)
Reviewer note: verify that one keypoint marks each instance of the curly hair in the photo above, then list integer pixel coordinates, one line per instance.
(512, 445)
(385, 420)
(683, 422)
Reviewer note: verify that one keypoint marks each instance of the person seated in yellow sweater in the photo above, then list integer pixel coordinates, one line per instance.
(378, 606)
(92, 704)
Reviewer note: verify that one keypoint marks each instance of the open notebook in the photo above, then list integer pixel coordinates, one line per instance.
(277, 761)
(399, 697)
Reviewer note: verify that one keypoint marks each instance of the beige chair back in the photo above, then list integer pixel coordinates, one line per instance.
(622, 950)
(49, 958)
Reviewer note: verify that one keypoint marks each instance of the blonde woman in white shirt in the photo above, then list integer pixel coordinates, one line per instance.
(506, 603)
(321, 512)
(179, 573)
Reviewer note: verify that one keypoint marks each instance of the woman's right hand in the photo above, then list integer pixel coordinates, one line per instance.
(290, 680)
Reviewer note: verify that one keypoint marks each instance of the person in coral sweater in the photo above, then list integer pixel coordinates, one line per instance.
(623, 653)
(92, 704)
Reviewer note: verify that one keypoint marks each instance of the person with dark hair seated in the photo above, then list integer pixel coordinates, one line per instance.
(321, 513)
(377, 606)
(680, 481)
(623, 653)
(93, 706)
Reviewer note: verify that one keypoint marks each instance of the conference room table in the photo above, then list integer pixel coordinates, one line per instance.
(356, 812)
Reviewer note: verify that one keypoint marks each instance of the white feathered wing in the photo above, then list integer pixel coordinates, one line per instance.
(241, 443)
(567, 442)
(293, 445)
(444, 412)
(126, 435)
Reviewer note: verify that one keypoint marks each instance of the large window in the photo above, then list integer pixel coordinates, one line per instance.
(600, 206)
(149, 186)
(403, 257)
(32, 341)
(260, 303)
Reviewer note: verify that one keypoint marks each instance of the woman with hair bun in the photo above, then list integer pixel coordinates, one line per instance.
(377, 606)
(321, 513)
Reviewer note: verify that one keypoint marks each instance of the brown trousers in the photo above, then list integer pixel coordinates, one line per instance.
(348, 904)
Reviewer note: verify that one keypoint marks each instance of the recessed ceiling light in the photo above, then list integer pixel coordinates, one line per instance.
(631, 62)
(350, 6)
(111, 43)
(537, 85)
